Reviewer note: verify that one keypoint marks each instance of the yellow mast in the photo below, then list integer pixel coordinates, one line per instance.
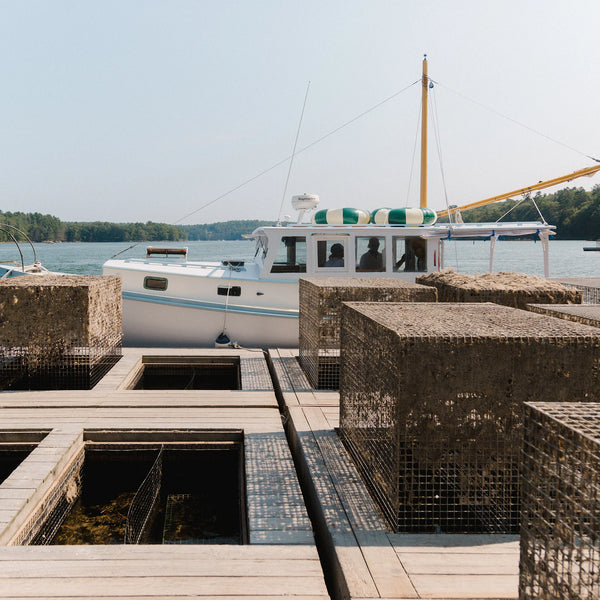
(424, 85)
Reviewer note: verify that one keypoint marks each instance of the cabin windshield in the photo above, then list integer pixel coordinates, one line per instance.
(261, 248)
(410, 254)
(291, 255)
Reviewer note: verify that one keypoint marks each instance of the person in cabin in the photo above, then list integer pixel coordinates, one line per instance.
(414, 258)
(336, 258)
(372, 259)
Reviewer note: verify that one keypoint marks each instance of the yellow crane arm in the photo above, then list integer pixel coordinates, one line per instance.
(537, 186)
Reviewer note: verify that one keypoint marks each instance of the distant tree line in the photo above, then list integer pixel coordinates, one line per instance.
(228, 230)
(47, 228)
(574, 211)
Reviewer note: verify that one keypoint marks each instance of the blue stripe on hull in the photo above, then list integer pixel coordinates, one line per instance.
(198, 304)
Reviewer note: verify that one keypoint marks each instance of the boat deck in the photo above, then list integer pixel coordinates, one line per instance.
(337, 548)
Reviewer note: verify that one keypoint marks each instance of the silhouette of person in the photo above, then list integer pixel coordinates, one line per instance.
(336, 258)
(372, 259)
(414, 257)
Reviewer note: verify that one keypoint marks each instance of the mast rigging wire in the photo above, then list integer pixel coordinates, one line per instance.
(412, 160)
(292, 158)
(492, 110)
(317, 141)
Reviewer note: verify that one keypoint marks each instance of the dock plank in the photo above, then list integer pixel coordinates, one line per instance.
(160, 585)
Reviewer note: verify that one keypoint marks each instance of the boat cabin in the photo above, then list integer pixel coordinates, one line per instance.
(371, 250)
(354, 251)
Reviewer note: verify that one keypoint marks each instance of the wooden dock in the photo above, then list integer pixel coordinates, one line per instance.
(323, 540)
(364, 559)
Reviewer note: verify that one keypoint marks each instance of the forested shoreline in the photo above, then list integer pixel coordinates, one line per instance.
(574, 211)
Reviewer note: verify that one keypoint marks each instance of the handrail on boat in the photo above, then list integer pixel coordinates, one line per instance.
(181, 252)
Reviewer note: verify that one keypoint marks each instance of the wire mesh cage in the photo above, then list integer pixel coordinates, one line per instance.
(509, 289)
(560, 529)
(58, 331)
(319, 325)
(431, 405)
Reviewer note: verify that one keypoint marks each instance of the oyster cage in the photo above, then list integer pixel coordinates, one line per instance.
(431, 402)
(320, 318)
(58, 331)
(560, 529)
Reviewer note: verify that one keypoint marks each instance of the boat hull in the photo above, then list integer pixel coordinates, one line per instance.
(152, 324)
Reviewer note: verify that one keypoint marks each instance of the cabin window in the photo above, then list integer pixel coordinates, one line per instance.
(331, 254)
(291, 255)
(234, 290)
(370, 254)
(410, 254)
(156, 283)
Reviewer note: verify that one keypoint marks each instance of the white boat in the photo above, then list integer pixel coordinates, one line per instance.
(9, 269)
(169, 300)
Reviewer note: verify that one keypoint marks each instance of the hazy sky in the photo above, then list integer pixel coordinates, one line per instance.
(126, 110)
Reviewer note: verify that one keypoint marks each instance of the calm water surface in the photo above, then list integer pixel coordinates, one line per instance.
(567, 258)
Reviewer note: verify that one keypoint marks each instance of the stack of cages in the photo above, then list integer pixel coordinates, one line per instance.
(320, 315)
(431, 405)
(560, 528)
(58, 331)
(509, 289)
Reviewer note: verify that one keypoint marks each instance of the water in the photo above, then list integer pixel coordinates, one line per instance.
(567, 258)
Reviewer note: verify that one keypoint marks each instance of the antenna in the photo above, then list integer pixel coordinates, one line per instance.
(292, 157)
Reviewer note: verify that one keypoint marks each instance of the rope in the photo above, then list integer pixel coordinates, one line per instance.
(412, 160)
(512, 208)
(539, 211)
(436, 130)
(121, 252)
(519, 123)
(227, 299)
(292, 158)
(281, 162)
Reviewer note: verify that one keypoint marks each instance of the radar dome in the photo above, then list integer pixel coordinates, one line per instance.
(305, 201)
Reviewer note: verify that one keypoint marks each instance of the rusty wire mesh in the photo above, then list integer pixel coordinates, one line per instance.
(431, 405)
(58, 331)
(144, 503)
(319, 325)
(560, 529)
(43, 524)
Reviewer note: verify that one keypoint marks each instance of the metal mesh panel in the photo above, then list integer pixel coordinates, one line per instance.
(431, 405)
(589, 287)
(591, 295)
(58, 332)
(560, 531)
(319, 314)
(509, 289)
(43, 524)
(144, 503)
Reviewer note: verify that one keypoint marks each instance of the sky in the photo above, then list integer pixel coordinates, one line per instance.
(169, 111)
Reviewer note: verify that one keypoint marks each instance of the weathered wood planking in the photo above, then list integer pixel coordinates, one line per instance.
(374, 562)
(160, 585)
